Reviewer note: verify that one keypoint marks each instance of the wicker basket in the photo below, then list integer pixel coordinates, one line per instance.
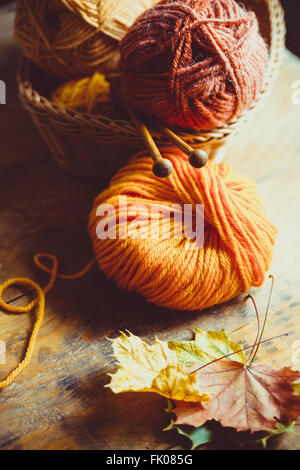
(85, 144)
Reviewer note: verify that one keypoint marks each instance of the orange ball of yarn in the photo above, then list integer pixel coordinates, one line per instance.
(194, 63)
(175, 272)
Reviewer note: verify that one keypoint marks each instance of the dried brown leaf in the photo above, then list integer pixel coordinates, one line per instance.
(247, 398)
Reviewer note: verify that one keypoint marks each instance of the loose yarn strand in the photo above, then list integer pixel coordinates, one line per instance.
(38, 300)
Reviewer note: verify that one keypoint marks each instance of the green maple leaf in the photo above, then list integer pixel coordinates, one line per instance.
(281, 429)
(197, 436)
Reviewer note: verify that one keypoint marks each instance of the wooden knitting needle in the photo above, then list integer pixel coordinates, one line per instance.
(162, 167)
(197, 157)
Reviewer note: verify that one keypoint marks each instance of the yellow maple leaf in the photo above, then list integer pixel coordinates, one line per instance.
(151, 368)
(296, 387)
(207, 346)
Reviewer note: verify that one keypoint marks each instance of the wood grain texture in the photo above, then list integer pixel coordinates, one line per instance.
(59, 401)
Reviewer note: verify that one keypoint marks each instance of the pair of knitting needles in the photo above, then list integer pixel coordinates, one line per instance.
(162, 167)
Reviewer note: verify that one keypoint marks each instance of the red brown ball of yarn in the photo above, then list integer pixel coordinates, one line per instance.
(194, 63)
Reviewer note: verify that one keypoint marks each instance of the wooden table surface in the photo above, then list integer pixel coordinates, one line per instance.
(59, 401)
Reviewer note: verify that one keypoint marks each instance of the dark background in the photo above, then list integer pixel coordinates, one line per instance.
(292, 10)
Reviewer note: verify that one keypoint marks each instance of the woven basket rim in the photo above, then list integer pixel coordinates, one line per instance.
(105, 129)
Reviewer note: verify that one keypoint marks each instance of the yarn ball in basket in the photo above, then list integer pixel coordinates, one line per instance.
(169, 268)
(112, 17)
(194, 63)
(90, 95)
(58, 36)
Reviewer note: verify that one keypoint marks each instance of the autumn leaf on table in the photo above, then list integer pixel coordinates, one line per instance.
(210, 379)
(207, 346)
(245, 397)
(151, 368)
(213, 432)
